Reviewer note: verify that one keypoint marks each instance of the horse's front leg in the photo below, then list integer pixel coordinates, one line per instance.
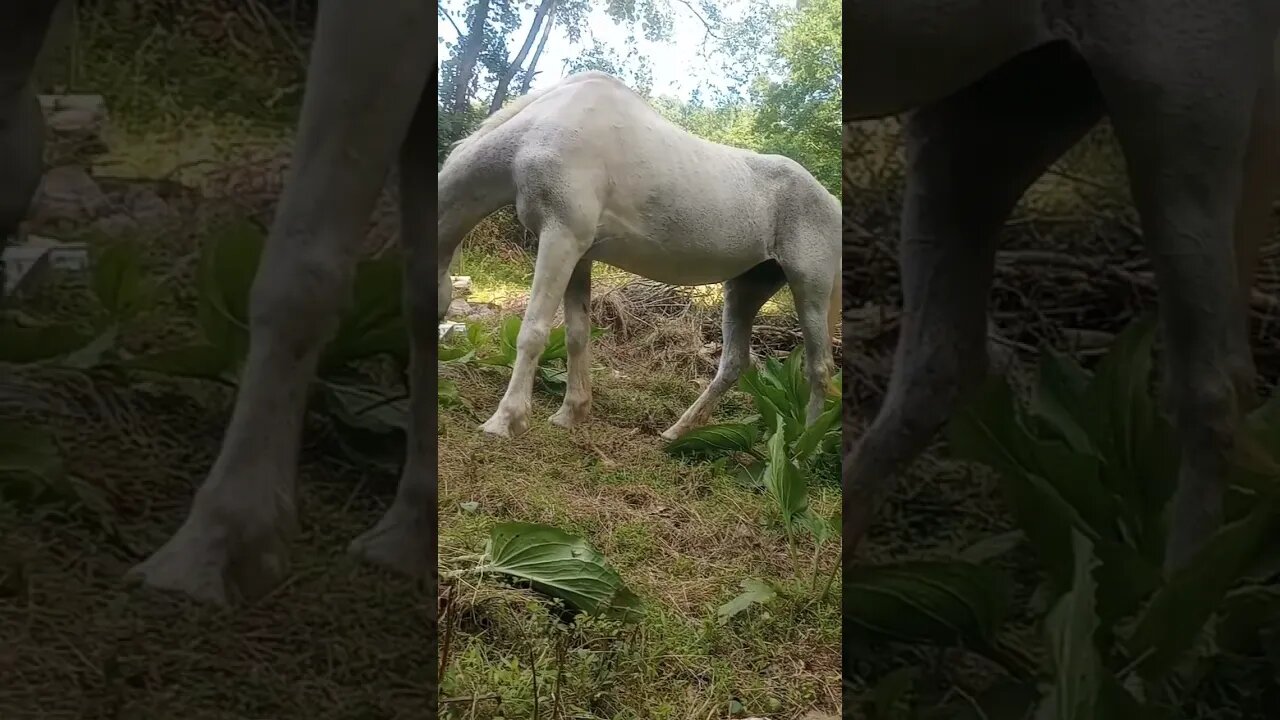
(559, 251)
(577, 340)
(355, 113)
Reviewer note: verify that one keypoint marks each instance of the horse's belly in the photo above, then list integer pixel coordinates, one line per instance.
(690, 263)
(908, 53)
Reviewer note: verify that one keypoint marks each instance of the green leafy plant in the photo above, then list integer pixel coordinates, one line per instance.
(473, 348)
(559, 565)
(121, 288)
(1088, 466)
(780, 392)
(372, 326)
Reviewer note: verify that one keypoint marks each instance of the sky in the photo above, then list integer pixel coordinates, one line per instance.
(678, 65)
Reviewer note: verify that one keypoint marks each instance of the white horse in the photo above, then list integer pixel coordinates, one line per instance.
(599, 175)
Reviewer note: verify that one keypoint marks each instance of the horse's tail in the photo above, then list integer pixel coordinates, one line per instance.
(491, 123)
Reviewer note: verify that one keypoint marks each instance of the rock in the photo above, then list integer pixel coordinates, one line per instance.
(74, 127)
(68, 194)
(116, 225)
(147, 208)
(461, 284)
(460, 308)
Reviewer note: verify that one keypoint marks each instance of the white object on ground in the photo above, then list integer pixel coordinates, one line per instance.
(26, 265)
(448, 328)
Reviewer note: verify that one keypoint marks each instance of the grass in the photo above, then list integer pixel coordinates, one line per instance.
(682, 535)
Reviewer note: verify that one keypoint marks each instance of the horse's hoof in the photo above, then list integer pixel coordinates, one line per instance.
(198, 562)
(400, 542)
(505, 426)
(566, 417)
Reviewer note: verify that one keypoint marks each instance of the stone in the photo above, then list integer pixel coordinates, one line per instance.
(68, 194)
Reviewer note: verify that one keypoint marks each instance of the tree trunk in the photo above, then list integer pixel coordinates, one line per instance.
(533, 61)
(500, 95)
(468, 54)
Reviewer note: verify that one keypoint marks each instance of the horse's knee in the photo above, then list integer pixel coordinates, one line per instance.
(533, 337)
(928, 386)
(1207, 411)
(291, 294)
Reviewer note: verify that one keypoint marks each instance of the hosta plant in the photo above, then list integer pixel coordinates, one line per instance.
(1087, 465)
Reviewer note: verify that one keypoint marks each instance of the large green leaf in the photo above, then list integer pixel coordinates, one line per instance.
(1071, 624)
(228, 264)
(754, 592)
(374, 322)
(924, 601)
(119, 280)
(199, 362)
(1059, 400)
(562, 566)
(1178, 610)
(368, 409)
(811, 439)
(783, 480)
(987, 430)
(1128, 430)
(37, 343)
(713, 440)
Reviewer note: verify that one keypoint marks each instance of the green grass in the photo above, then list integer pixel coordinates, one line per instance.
(682, 535)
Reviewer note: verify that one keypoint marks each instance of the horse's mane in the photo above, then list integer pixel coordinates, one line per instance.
(491, 123)
(510, 110)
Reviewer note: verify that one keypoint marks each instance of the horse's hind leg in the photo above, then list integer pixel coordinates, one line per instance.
(1183, 122)
(743, 297)
(577, 340)
(565, 229)
(970, 157)
(356, 110)
(811, 283)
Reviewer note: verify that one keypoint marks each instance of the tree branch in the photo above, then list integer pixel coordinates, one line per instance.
(449, 17)
(703, 20)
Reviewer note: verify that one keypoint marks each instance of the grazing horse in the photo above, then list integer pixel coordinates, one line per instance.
(996, 92)
(597, 174)
(367, 105)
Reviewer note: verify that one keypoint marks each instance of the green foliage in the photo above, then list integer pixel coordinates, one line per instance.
(792, 448)
(780, 394)
(475, 349)
(560, 565)
(924, 601)
(1087, 467)
(754, 592)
